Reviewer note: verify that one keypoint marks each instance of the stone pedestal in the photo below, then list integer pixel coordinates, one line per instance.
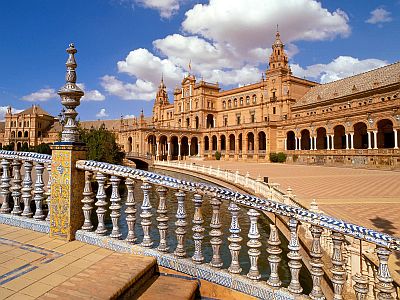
(66, 215)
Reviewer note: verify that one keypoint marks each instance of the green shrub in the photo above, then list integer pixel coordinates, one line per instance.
(295, 157)
(281, 157)
(9, 147)
(217, 155)
(273, 157)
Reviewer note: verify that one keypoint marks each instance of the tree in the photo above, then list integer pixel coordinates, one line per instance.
(101, 145)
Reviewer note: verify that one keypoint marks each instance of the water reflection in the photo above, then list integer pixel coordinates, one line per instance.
(225, 217)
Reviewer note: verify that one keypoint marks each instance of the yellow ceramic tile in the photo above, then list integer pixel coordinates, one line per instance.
(38, 273)
(52, 244)
(5, 257)
(19, 296)
(30, 256)
(54, 279)
(13, 263)
(39, 241)
(36, 289)
(18, 283)
(4, 293)
(69, 247)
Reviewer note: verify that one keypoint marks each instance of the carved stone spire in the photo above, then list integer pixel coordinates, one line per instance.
(70, 95)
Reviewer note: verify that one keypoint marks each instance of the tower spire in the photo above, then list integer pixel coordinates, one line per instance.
(278, 58)
(70, 95)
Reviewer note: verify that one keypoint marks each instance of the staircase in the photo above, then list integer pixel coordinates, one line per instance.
(125, 276)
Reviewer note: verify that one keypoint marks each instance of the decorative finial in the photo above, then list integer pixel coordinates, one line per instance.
(277, 27)
(70, 95)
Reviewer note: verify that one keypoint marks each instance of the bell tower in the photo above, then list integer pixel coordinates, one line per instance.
(278, 60)
(160, 101)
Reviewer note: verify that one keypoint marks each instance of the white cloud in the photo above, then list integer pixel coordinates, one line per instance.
(102, 113)
(41, 95)
(91, 95)
(140, 90)
(3, 111)
(166, 8)
(226, 41)
(340, 67)
(379, 15)
(129, 116)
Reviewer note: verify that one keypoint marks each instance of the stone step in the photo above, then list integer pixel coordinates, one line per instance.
(168, 286)
(109, 278)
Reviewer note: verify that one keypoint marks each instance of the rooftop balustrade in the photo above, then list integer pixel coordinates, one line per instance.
(184, 242)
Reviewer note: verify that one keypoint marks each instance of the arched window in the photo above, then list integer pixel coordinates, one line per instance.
(241, 100)
(254, 99)
(235, 102)
(224, 104)
(247, 100)
(229, 103)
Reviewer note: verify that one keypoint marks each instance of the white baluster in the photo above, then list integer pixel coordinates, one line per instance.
(274, 250)
(101, 204)
(162, 219)
(5, 187)
(253, 245)
(27, 189)
(16, 187)
(338, 270)
(234, 239)
(216, 233)
(130, 210)
(385, 281)
(115, 207)
(146, 215)
(39, 192)
(48, 191)
(294, 258)
(316, 263)
(198, 229)
(88, 199)
(180, 223)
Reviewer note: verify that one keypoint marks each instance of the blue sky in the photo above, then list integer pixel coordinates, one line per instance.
(125, 45)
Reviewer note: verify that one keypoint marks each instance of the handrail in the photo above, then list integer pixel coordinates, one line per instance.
(28, 156)
(267, 205)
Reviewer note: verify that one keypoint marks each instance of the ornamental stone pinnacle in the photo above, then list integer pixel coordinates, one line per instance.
(70, 95)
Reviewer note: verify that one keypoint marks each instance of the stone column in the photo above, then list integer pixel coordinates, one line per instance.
(66, 215)
(396, 145)
(157, 150)
(311, 143)
(347, 141)
(169, 151)
(328, 142)
(285, 144)
(199, 152)
(299, 143)
(375, 139)
(352, 140)
(369, 140)
(295, 144)
(315, 142)
(179, 151)
(237, 149)
(332, 142)
(189, 144)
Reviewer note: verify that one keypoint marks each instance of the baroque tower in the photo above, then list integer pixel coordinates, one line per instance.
(160, 102)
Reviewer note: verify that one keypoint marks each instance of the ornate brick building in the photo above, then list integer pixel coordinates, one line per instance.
(355, 120)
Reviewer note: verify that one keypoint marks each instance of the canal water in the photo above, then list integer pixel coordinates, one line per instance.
(225, 217)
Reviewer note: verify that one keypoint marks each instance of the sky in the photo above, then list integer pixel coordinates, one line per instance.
(125, 46)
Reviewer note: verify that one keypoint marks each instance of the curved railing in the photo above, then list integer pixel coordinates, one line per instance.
(21, 194)
(294, 215)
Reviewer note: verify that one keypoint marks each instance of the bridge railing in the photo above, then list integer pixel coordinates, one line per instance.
(317, 223)
(21, 194)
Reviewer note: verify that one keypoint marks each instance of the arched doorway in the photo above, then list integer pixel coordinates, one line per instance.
(290, 140)
(214, 143)
(163, 151)
(232, 142)
(197, 124)
(194, 146)
(206, 143)
(305, 139)
(385, 134)
(250, 142)
(360, 136)
(26, 134)
(19, 146)
(240, 142)
(223, 143)
(184, 146)
(19, 134)
(339, 139)
(152, 145)
(210, 121)
(262, 141)
(129, 148)
(174, 148)
(321, 138)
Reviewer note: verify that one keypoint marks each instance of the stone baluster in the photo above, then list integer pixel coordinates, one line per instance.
(180, 223)
(360, 286)
(146, 215)
(216, 233)
(162, 219)
(115, 207)
(234, 239)
(274, 250)
(48, 191)
(88, 199)
(130, 210)
(39, 192)
(5, 187)
(338, 271)
(253, 245)
(101, 204)
(198, 229)
(16, 187)
(294, 258)
(316, 263)
(385, 282)
(27, 189)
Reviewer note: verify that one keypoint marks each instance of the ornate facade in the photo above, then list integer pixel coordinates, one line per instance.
(354, 120)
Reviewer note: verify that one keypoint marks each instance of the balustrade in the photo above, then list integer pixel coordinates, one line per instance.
(17, 187)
